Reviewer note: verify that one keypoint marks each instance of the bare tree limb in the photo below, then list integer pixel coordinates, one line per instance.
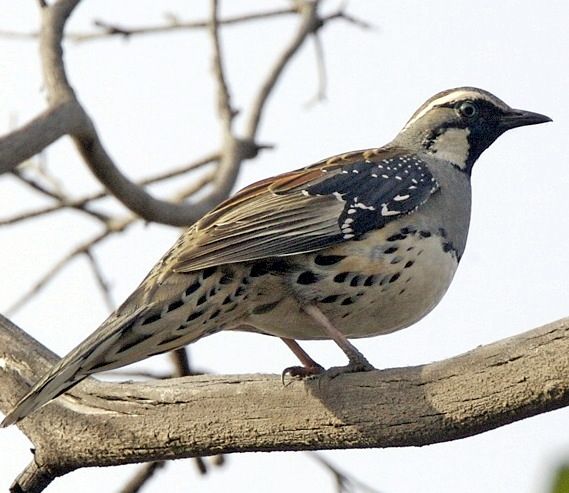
(224, 109)
(104, 218)
(101, 281)
(113, 424)
(321, 70)
(25, 142)
(109, 29)
(91, 148)
(80, 203)
(112, 228)
(72, 119)
(309, 24)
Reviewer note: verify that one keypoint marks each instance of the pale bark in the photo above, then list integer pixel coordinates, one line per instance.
(105, 424)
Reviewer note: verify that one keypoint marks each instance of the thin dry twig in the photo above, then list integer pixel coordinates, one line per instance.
(345, 483)
(194, 187)
(309, 24)
(62, 200)
(224, 109)
(89, 144)
(109, 29)
(144, 473)
(81, 202)
(321, 71)
(103, 284)
(83, 248)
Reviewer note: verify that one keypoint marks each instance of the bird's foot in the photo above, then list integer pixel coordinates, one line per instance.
(355, 366)
(301, 372)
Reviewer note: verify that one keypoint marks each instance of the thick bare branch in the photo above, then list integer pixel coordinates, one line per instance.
(91, 147)
(30, 139)
(114, 424)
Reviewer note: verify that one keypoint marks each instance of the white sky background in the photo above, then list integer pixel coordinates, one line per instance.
(153, 102)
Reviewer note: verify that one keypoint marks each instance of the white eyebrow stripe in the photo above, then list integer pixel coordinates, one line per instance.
(446, 99)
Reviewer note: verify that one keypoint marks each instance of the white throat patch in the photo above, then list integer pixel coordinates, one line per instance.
(453, 146)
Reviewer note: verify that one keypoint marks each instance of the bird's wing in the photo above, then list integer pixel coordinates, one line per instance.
(307, 210)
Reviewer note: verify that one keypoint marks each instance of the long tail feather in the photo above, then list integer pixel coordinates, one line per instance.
(88, 357)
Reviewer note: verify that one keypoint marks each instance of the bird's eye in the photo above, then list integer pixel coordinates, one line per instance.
(467, 109)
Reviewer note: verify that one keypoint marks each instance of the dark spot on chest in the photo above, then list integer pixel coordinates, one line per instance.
(307, 277)
(208, 272)
(328, 259)
(396, 237)
(265, 308)
(194, 316)
(355, 281)
(240, 291)
(341, 277)
(369, 281)
(227, 277)
(175, 304)
(259, 269)
(215, 314)
(394, 277)
(194, 287)
(330, 299)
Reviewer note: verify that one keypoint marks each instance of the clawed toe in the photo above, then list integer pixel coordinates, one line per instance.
(301, 372)
(353, 367)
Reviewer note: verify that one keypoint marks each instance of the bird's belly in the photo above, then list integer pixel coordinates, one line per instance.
(369, 292)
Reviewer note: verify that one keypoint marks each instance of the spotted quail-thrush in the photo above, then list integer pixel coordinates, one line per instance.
(357, 245)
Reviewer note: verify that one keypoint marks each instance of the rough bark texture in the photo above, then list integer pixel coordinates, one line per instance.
(105, 424)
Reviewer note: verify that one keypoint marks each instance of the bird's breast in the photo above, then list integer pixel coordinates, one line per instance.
(385, 282)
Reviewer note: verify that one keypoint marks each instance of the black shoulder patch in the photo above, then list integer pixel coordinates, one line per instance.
(377, 191)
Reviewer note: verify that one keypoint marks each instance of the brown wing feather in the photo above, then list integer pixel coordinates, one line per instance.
(267, 219)
(270, 218)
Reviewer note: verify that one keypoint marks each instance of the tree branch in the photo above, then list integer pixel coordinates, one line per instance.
(22, 144)
(80, 203)
(91, 148)
(224, 109)
(113, 424)
(309, 24)
(109, 29)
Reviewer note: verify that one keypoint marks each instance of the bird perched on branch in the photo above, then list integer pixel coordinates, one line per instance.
(357, 245)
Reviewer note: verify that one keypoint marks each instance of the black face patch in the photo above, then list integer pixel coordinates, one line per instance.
(484, 127)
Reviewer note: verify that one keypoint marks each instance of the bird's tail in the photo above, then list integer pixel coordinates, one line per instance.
(100, 351)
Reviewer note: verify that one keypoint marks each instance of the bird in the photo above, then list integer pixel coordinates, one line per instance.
(357, 245)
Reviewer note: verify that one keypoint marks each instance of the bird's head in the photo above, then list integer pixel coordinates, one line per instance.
(457, 125)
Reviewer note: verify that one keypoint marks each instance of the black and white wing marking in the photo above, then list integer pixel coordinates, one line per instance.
(377, 192)
(306, 210)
